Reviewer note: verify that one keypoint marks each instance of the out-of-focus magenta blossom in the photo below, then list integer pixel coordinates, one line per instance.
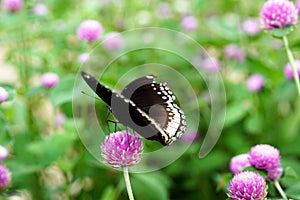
(278, 14)
(238, 163)
(113, 40)
(3, 94)
(12, 5)
(288, 71)
(251, 26)
(60, 119)
(211, 64)
(189, 23)
(82, 58)
(247, 186)
(190, 137)
(5, 177)
(274, 174)
(121, 149)
(89, 30)
(3, 153)
(49, 79)
(255, 82)
(233, 51)
(164, 10)
(40, 9)
(297, 4)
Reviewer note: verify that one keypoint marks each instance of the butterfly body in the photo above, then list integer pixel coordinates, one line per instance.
(144, 106)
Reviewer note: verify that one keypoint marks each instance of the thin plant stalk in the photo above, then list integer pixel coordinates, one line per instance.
(127, 182)
(292, 62)
(280, 190)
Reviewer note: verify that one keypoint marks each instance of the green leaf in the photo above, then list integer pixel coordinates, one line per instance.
(63, 92)
(35, 90)
(110, 193)
(235, 112)
(280, 32)
(294, 191)
(290, 172)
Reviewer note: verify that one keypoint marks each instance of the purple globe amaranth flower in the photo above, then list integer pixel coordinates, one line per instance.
(49, 79)
(3, 94)
(3, 153)
(190, 137)
(288, 71)
(264, 156)
(40, 9)
(5, 177)
(247, 186)
(238, 163)
(89, 30)
(255, 82)
(82, 58)
(121, 149)
(211, 64)
(12, 5)
(251, 26)
(233, 51)
(297, 4)
(274, 174)
(189, 23)
(113, 40)
(278, 14)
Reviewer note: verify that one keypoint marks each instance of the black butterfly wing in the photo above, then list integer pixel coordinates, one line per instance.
(157, 101)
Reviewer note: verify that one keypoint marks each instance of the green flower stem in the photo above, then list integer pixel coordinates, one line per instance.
(279, 189)
(292, 62)
(127, 182)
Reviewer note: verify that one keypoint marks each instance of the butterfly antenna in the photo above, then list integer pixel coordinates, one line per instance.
(89, 95)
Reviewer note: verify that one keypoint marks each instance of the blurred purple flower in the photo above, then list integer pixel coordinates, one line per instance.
(3, 153)
(211, 64)
(274, 174)
(238, 163)
(89, 30)
(82, 58)
(5, 177)
(297, 4)
(233, 51)
(255, 82)
(189, 23)
(3, 94)
(264, 156)
(40, 9)
(278, 14)
(113, 40)
(60, 119)
(121, 149)
(12, 5)
(49, 79)
(164, 10)
(288, 71)
(248, 186)
(251, 26)
(190, 137)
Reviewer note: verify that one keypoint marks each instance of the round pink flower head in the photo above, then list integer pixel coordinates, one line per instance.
(89, 30)
(251, 26)
(121, 149)
(274, 174)
(297, 3)
(248, 186)
(189, 23)
(238, 163)
(288, 71)
(49, 79)
(40, 9)
(255, 82)
(233, 51)
(82, 58)
(12, 5)
(3, 94)
(211, 64)
(5, 177)
(3, 153)
(190, 137)
(264, 156)
(113, 40)
(278, 14)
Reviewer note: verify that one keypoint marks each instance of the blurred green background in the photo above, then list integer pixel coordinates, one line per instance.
(49, 161)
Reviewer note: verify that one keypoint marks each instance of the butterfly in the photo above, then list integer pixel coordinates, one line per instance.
(145, 106)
